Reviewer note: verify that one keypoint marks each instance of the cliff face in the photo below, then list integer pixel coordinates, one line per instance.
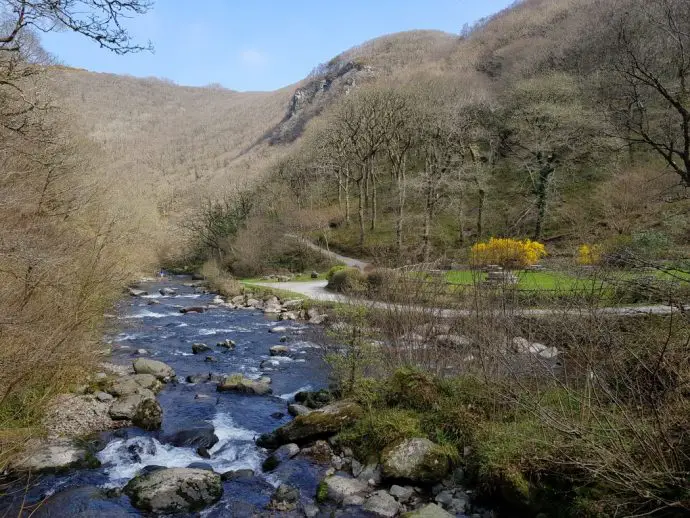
(324, 86)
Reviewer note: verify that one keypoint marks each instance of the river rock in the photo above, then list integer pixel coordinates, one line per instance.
(228, 344)
(289, 315)
(148, 415)
(103, 397)
(202, 436)
(428, 511)
(137, 293)
(285, 452)
(318, 424)
(285, 498)
(174, 490)
(401, 493)
(293, 304)
(382, 504)
(320, 452)
(295, 409)
(158, 369)
(54, 455)
(338, 488)
(238, 383)
(126, 407)
(80, 502)
(193, 309)
(272, 307)
(134, 384)
(279, 350)
(314, 399)
(168, 292)
(199, 348)
(237, 474)
(418, 460)
(254, 303)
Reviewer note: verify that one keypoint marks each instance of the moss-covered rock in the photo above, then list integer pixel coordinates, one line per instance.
(174, 490)
(318, 424)
(418, 460)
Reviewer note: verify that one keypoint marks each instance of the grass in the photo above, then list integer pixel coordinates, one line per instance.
(302, 277)
(527, 280)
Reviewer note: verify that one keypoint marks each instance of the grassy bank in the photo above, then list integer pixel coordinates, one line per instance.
(566, 415)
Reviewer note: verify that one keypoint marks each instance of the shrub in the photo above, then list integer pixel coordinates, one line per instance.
(588, 255)
(348, 280)
(508, 253)
(335, 269)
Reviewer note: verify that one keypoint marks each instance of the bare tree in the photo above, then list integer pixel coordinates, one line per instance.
(646, 46)
(549, 129)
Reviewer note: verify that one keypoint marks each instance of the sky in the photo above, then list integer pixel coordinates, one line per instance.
(259, 44)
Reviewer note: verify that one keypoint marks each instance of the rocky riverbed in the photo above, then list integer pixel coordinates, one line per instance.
(197, 414)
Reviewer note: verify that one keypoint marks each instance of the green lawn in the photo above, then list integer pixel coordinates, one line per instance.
(528, 280)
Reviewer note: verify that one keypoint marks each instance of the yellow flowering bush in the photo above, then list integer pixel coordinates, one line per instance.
(588, 255)
(508, 253)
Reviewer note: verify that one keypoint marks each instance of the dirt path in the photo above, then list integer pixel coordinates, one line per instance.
(316, 290)
(348, 261)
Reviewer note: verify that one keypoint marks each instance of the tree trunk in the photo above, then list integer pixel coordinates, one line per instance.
(542, 193)
(428, 215)
(480, 214)
(373, 202)
(400, 180)
(461, 220)
(360, 211)
(347, 198)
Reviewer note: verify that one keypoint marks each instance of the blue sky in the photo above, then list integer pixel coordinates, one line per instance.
(260, 44)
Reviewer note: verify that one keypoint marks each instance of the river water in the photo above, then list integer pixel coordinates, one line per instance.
(237, 419)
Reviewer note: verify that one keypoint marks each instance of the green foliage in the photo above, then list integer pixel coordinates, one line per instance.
(322, 492)
(413, 389)
(380, 428)
(334, 270)
(347, 280)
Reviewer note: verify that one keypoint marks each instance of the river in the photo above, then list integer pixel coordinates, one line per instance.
(154, 323)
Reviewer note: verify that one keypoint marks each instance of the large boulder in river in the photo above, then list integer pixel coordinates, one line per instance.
(126, 407)
(160, 370)
(318, 424)
(55, 455)
(238, 383)
(134, 384)
(148, 415)
(198, 348)
(174, 490)
(418, 460)
(197, 437)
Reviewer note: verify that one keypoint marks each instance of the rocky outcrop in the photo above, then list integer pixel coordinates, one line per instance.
(158, 369)
(174, 490)
(318, 424)
(418, 460)
(329, 82)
